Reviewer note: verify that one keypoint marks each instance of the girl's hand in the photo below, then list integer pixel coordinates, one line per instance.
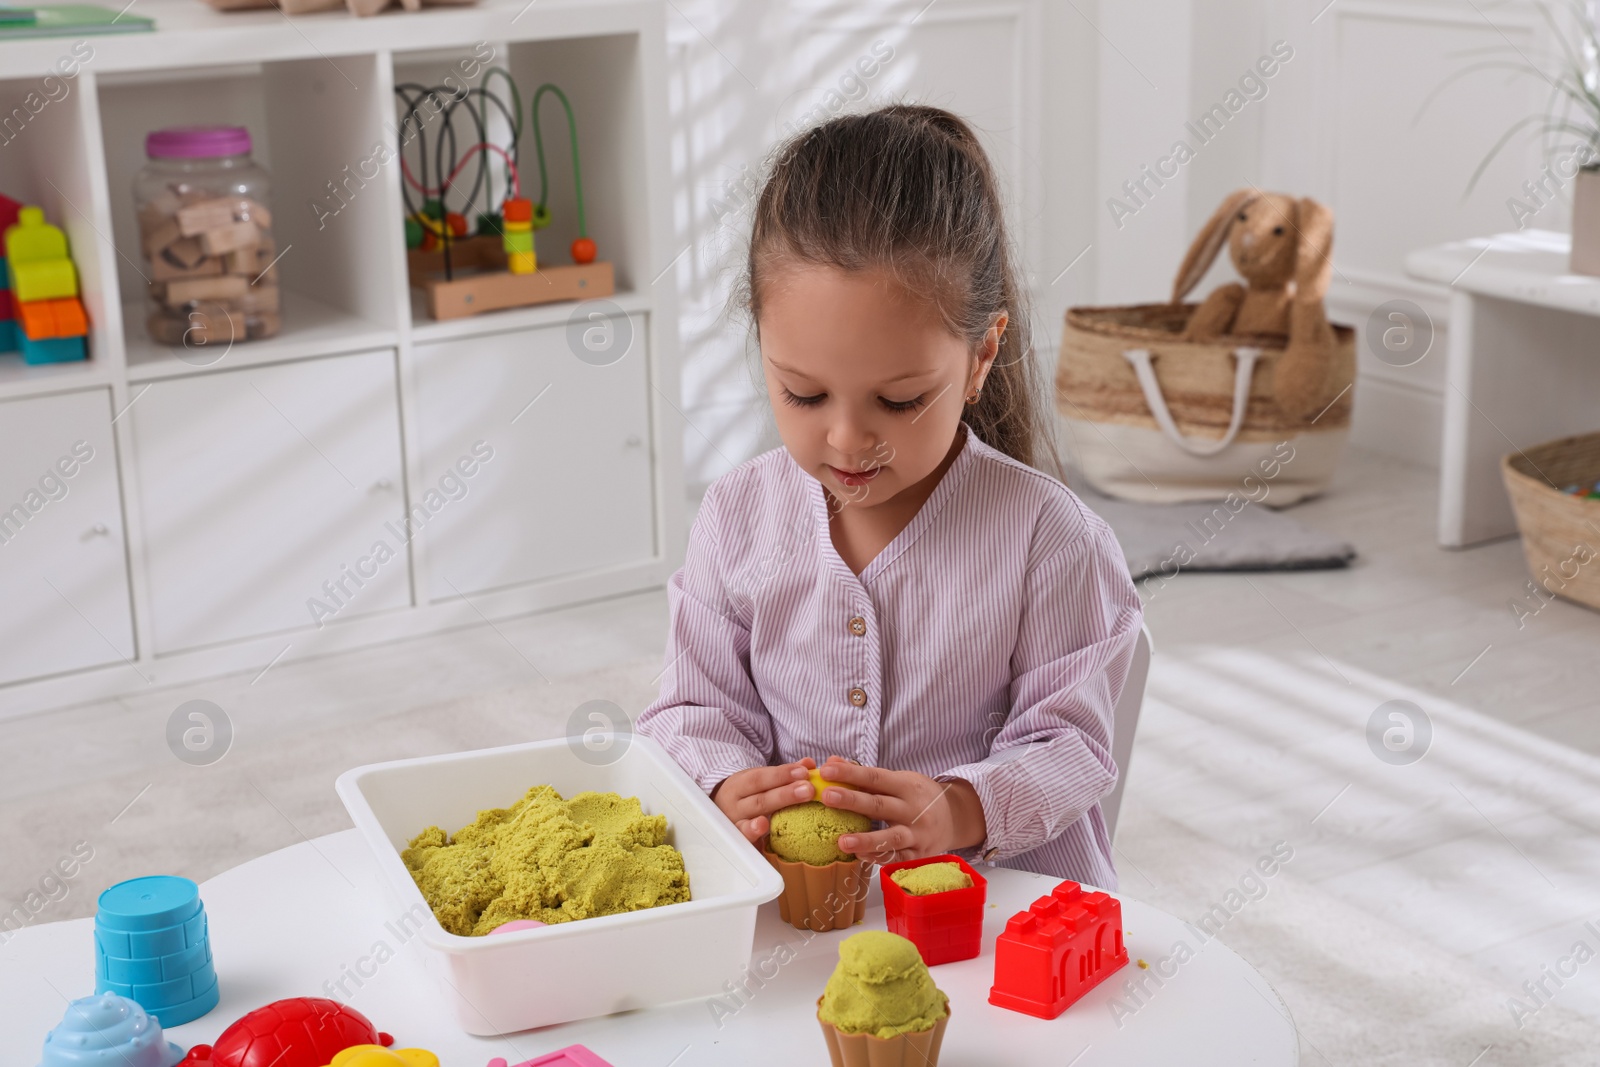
(747, 797)
(925, 817)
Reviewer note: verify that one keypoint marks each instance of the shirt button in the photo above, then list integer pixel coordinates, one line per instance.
(858, 626)
(858, 696)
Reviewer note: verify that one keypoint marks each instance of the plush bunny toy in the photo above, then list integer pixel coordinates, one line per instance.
(1280, 246)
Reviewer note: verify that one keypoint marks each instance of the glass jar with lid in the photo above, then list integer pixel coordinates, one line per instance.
(205, 231)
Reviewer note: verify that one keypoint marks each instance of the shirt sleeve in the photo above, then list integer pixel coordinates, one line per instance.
(709, 716)
(1051, 762)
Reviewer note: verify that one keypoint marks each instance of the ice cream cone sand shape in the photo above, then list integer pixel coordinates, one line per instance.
(824, 888)
(880, 1008)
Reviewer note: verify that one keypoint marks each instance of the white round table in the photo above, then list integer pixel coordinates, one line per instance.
(313, 920)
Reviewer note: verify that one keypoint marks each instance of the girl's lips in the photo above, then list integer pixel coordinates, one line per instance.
(854, 477)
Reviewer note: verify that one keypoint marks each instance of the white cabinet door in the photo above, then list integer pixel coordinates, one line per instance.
(271, 498)
(63, 563)
(569, 486)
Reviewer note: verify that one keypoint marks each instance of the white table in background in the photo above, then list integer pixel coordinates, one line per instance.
(288, 922)
(1524, 366)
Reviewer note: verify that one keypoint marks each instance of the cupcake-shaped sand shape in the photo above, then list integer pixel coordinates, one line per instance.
(107, 1030)
(824, 888)
(881, 1008)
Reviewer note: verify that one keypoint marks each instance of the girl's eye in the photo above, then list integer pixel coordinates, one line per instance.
(905, 405)
(802, 401)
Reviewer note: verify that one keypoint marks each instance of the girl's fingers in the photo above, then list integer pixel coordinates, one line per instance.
(872, 779)
(759, 780)
(883, 846)
(791, 791)
(875, 806)
(753, 829)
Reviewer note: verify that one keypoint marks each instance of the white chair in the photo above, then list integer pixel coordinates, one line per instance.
(1125, 723)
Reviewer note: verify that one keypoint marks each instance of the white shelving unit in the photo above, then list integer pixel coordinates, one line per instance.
(231, 492)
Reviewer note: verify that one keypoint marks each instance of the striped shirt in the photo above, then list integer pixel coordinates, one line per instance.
(988, 641)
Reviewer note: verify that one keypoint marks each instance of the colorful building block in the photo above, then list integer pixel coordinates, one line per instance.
(1064, 945)
(8, 308)
(517, 235)
(36, 259)
(51, 350)
(44, 319)
(32, 239)
(9, 211)
(10, 336)
(944, 926)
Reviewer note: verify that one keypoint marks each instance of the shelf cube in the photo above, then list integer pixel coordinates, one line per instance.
(1064, 945)
(944, 926)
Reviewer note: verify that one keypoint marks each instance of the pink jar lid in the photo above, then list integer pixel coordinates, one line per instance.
(197, 142)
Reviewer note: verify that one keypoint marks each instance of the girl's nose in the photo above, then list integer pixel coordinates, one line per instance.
(851, 438)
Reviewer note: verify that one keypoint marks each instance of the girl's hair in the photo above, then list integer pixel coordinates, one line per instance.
(908, 189)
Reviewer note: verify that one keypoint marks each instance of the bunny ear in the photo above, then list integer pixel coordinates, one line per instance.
(1314, 259)
(1209, 242)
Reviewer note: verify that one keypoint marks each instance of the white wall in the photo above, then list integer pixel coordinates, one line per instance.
(745, 71)
(1073, 101)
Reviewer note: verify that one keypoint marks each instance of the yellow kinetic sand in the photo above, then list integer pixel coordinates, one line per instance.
(881, 987)
(809, 832)
(931, 878)
(547, 859)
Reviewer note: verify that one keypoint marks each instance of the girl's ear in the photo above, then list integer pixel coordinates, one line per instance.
(990, 349)
(1313, 267)
(1208, 242)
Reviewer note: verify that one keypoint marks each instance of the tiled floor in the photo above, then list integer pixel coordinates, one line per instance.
(1419, 897)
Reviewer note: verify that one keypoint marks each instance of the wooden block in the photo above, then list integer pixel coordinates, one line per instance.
(261, 297)
(194, 328)
(163, 269)
(235, 235)
(263, 324)
(159, 236)
(493, 292)
(466, 253)
(184, 253)
(212, 214)
(244, 208)
(222, 287)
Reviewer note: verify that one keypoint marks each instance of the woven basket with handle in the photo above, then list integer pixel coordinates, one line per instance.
(1560, 531)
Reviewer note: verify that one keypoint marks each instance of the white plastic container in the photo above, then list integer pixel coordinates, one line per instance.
(566, 971)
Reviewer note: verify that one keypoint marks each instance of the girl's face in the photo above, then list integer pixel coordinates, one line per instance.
(866, 383)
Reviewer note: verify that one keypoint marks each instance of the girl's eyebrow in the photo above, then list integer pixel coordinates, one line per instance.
(897, 378)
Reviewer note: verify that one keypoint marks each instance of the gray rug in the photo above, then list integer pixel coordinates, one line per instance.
(1167, 538)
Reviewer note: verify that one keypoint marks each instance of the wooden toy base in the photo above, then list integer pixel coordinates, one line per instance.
(482, 283)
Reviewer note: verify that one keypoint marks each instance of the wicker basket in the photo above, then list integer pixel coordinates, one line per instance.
(1198, 418)
(1560, 532)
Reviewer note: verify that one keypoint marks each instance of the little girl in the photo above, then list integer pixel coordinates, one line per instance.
(898, 587)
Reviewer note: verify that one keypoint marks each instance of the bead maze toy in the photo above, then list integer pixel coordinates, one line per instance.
(40, 312)
(298, 1032)
(497, 266)
(1064, 945)
(107, 1030)
(945, 926)
(152, 946)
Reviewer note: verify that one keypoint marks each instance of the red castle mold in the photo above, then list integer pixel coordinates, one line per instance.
(1064, 945)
